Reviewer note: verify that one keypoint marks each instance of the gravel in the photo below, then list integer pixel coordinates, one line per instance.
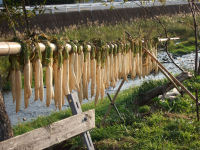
(38, 108)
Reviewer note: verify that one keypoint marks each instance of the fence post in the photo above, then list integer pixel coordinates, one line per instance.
(79, 8)
(76, 109)
(90, 7)
(66, 8)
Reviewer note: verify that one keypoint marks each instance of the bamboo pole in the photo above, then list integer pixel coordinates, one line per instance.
(169, 79)
(170, 75)
(11, 48)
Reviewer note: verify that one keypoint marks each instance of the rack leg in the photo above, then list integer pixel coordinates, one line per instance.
(113, 101)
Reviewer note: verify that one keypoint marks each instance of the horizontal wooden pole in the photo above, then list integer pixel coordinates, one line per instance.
(50, 135)
(10, 48)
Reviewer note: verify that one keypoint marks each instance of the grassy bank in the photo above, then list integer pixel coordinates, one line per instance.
(165, 124)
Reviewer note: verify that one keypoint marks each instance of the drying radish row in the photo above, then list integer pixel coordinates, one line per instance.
(76, 64)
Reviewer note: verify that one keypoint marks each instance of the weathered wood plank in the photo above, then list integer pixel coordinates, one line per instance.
(47, 136)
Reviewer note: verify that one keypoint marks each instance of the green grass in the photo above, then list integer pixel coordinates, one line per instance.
(182, 47)
(165, 124)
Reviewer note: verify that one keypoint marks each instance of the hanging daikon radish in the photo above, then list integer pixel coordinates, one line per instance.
(18, 87)
(49, 73)
(120, 59)
(37, 67)
(60, 45)
(66, 89)
(27, 86)
(140, 58)
(115, 62)
(80, 72)
(76, 64)
(12, 60)
(60, 91)
(93, 70)
(107, 68)
(112, 68)
(80, 62)
(41, 89)
(85, 87)
(133, 69)
(155, 46)
(72, 77)
(103, 60)
(26, 50)
(102, 82)
(12, 78)
(88, 70)
(124, 63)
(80, 91)
(55, 77)
(98, 70)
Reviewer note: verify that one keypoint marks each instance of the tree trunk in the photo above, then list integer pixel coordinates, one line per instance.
(5, 125)
(147, 97)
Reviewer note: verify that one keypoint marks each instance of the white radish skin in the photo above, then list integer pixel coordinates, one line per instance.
(13, 85)
(66, 77)
(37, 78)
(41, 89)
(108, 72)
(59, 86)
(48, 85)
(18, 87)
(93, 76)
(98, 83)
(80, 91)
(85, 79)
(72, 81)
(55, 74)
(80, 70)
(76, 66)
(102, 83)
(27, 86)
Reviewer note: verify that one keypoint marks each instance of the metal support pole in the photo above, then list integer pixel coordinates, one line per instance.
(76, 109)
(113, 104)
(113, 101)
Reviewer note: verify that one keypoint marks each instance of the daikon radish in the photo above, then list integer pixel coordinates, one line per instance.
(80, 91)
(31, 75)
(27, 86)
(108, 72)
(76, 66)
(48, 85)
(37, 78)
(13, 82)
(81, 62)
(112, 67)
(66, 89)
(49, 73)
(59, 86)
(93, 71)
(55, 76)
(102, 82)
(41, 89)
(98, 83)
(85, 90)
(18, 87)
(72, 81)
